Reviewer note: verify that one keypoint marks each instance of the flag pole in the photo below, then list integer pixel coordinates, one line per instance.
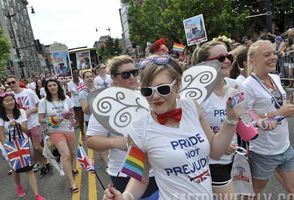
(99, 180)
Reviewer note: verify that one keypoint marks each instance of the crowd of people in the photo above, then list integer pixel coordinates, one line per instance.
(61, 110)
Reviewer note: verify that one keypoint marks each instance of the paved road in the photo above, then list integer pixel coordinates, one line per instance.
(56, 187)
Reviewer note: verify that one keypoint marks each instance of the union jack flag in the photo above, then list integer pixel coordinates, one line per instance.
(24, 102)
(18, 153)
(81, 86)
(84, 160)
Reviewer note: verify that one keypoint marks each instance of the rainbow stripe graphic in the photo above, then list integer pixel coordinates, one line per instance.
(178, 47)
(134, 163)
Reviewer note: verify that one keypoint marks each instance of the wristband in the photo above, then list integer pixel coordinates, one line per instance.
(130, 196)
(232, 122)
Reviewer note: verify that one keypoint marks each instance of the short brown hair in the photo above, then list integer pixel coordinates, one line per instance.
(201, 53)
(12, 76)
(114, 63)
(152, 69)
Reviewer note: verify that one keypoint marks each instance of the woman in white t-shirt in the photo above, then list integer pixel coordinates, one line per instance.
(214, 110)
(83, 96)
(239, 69)
(103, 79)
(56, 110)
(13, 123)
(124, 73)
(175, 137)
(271, 151)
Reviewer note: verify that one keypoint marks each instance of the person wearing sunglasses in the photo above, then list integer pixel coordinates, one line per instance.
(28, 101)
(214, 110)
(271, 151)
(103, 79)
(175, 138)
(12, 116)
(124, 74)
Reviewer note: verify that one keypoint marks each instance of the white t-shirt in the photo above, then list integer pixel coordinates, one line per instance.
(28, 99)
(75, 90)
(7, 127)
(32, 86)
(179, 156)
(57, 108)
(240, 78)
(214, 109)
(84, 96)
(103, 83)
(116, 156)
(42, 92)
(271, 142)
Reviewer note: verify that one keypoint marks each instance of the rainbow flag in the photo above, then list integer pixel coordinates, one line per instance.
(134, 163)
(178, 47)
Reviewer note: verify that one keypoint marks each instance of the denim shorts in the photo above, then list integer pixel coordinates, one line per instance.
(263, 166)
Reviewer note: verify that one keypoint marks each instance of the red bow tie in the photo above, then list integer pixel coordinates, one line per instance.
(175, 114)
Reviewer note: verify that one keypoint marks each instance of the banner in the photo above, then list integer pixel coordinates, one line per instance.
(83, 60)
(195, 30)
(61, 64)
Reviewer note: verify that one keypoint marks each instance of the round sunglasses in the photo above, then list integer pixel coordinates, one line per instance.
(162, 90)
(127, 74)
(221, 58)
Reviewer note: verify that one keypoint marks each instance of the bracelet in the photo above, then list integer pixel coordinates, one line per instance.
(232, 122)
(130, 195)
(266, 115)
(51, 122)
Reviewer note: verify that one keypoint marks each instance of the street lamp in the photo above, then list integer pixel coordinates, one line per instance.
(17, 49)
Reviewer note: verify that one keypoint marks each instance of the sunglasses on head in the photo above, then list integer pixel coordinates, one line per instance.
(159, 60)
(221, 58)
(162, 90)
(127, 74)
(11, 83)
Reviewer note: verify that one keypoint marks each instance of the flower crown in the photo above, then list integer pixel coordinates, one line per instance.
(223, 38)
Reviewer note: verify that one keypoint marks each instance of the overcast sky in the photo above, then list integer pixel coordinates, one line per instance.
(74, 22)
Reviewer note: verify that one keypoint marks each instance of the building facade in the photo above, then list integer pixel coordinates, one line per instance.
(15, 22)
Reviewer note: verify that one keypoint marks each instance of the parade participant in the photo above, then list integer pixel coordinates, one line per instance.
(239, 69)
(83, 96)
(28, 101)
(103, 80)
(214, 110)
(124, 74)
(175, 138)
(10, 117)
(56, 110)
(159, 47)
(271, 151)
(74, 87)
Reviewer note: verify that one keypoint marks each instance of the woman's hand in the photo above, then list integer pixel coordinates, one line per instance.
(112, 194)
(267, 124)
(235, 107)
(231, 148)
(286, 110)
(58, 119)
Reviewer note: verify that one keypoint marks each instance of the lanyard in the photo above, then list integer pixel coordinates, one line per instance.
(260, 83)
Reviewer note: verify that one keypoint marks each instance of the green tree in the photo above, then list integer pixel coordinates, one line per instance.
(5, 46)
(152, 19)
(109, 49)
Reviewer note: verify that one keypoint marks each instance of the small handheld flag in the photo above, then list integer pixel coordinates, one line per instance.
(86, 163)
(178, 47)
(134, 163)
(84, 160)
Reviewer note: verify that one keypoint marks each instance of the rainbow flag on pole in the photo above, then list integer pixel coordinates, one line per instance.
(134, 163)
(178, 47)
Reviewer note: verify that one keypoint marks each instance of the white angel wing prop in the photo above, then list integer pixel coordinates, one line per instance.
(49, 156)
(116, 108)
(198, 81)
